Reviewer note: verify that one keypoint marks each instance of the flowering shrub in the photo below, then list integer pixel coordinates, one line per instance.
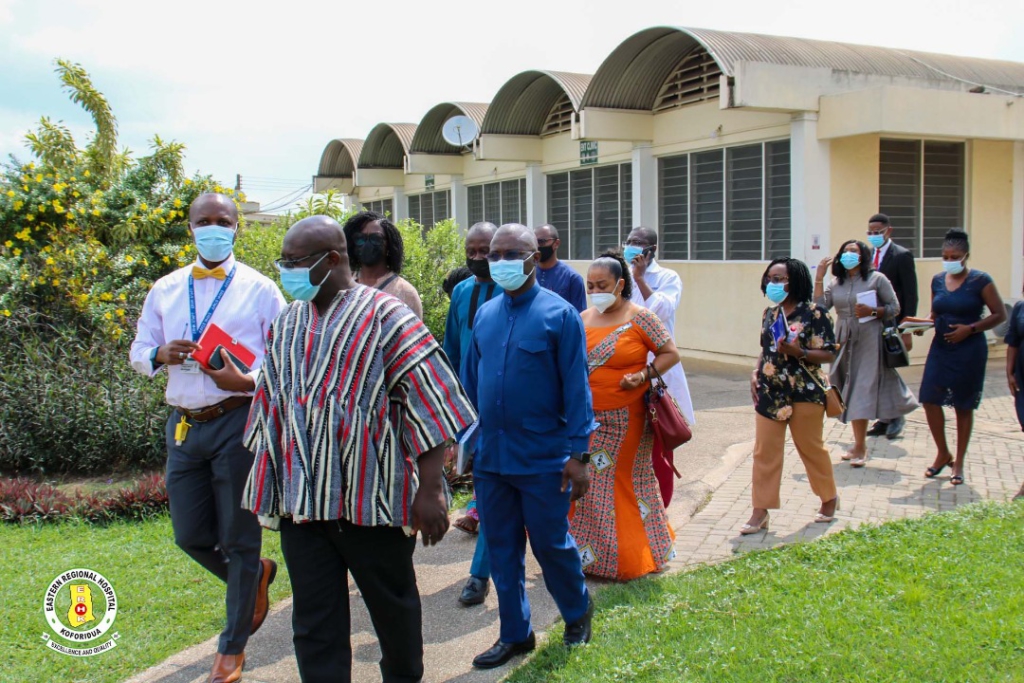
(25, 501)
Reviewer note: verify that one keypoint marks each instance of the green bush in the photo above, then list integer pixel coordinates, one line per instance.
(71, 403)
(429, 256)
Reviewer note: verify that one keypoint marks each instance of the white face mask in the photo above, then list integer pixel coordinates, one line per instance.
(602, 301)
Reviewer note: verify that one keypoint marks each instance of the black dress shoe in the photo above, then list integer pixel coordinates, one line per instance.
(878, 429)
(578, 633)
(502, 652)
(895, 428)
(474, 592)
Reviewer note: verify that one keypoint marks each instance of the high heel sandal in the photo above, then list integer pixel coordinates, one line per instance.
(932, 472)
(825, 519)
(748, 529)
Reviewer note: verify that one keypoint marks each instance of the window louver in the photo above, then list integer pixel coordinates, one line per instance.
(559, 119)
(695, 79)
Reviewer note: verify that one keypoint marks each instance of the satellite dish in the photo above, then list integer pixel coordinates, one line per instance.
(459, 131)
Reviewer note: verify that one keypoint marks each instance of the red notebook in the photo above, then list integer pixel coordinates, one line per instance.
(213, 340)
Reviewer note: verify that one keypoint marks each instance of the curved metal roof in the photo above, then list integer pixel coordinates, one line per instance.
(630, 76)
(428, 140)
(386, 145)
(522, 104)
(339, 158)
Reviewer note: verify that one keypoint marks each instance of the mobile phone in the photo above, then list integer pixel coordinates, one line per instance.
(217, 362)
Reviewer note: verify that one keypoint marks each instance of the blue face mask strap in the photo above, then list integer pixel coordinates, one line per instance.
(197, 331)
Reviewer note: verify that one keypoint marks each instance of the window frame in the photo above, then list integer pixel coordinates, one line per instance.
(484, 204)
(765, 189)
(624, 213)
(433, 194)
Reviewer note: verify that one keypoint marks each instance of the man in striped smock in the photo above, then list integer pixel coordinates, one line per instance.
(354, 408)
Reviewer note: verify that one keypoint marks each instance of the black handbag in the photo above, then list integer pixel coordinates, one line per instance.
(894, 351)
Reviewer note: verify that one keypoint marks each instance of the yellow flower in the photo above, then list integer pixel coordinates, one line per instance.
(188, 181)
(108, 316)
(76, 194)
(25, 188)
(95, 212)
(106, 296)
(177, 203)
(181, 255)
(56, 282)
(120, 312)
(162, 221)
(73, 178)
(188, 247)
(49, 261)
(59, 208)
(145, 262)
(86, 174)
(167, 259)
(129, 259)
(81, 210)
(8, 244)
(10, 193)
(7, 313)
(18, 204)
(17, 252)
(39, 178)
(95, 271)
(30, 218)
(122, 297)
(143, 206)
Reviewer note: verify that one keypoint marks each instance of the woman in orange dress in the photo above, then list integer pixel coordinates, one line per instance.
(620, 525)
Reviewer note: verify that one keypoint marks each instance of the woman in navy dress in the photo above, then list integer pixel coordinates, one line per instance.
(1015, 366)
(954, 374)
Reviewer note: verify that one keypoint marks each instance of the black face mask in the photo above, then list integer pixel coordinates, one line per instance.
(480, 267)
(371, 253)
(546, 253)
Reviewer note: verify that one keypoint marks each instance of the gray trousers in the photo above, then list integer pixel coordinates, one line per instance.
(205, 479)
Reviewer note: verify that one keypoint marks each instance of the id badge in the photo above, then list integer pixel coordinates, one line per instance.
(190, 366)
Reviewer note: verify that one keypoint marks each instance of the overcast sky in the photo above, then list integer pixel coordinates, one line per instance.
(259, 88)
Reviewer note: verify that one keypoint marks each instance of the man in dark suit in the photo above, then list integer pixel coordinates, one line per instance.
(897, 264)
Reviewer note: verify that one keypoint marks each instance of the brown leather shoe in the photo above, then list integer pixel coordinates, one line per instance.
(227, 668)
(268, 572)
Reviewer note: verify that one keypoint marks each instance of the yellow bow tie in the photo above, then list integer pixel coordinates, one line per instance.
(200, 273)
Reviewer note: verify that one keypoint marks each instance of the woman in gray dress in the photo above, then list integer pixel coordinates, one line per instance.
(871, 390)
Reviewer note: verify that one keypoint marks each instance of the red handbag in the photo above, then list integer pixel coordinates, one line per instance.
(667, 421)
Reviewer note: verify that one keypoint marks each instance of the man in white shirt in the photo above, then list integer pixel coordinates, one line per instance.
(207, 465)
(659, 289)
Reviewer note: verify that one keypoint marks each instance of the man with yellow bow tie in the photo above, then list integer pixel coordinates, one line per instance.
(207, 465)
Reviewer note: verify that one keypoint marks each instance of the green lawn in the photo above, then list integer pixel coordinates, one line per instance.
(935, 599)
(166, 602)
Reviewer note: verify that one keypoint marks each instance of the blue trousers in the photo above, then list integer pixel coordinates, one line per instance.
(508, 504)
(481, 566)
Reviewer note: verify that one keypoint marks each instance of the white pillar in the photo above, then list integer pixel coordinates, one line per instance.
(460, 203)
(1017, 227)
(809, 190)
(401, 205)
(537, 198)
(645, 187)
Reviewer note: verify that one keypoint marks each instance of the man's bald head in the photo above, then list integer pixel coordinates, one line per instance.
(312, 235)
(483, 229)
(515, 235)
(210, 206)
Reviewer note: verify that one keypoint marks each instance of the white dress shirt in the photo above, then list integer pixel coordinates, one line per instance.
(249, 305)
(666, 290)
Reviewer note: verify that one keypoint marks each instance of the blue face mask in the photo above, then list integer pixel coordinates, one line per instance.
(297, 283)
(776, 292)
(876, 241)
(849, 260)
(953, 267)
(214, 242)
(631, 252)
(509, 275)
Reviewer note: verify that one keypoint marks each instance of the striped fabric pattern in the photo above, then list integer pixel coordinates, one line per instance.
(345, 404)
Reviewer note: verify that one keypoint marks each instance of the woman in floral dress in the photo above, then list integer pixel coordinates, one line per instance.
(620, 526)
(788, 388)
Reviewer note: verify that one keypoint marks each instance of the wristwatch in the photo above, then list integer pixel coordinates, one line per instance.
(874, 312)
(582, 457)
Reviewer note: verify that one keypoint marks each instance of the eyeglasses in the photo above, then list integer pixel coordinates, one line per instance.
(283, 264)
(776, 280)
(510, 256)
(877, 232)
(635, 242)
(546, 242)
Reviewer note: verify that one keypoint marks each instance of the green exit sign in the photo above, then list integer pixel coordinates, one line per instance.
(588, 152)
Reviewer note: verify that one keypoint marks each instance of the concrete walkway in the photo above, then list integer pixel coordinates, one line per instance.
(710, 505)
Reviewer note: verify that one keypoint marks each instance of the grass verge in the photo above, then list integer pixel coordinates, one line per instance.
(935, 599)
(166, 602)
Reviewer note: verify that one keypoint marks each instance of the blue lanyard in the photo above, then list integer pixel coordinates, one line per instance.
(197, 332)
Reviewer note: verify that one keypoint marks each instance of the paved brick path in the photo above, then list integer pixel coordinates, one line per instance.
(891, 486)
